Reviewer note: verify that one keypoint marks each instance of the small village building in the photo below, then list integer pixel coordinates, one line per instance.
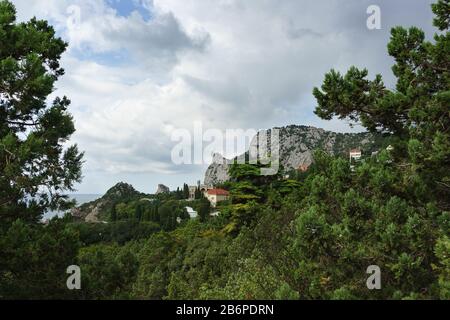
(192, 192)
(303, 168)
(203, 188)
(355, 154)
(216, 195)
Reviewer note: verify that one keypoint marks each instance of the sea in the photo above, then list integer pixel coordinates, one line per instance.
(79, 198)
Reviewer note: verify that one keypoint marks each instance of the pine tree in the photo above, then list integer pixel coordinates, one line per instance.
(35, 170)
(185, 191)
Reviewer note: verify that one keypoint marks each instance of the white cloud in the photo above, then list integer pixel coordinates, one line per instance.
(230, 64)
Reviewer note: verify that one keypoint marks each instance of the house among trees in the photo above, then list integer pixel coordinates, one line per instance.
(216, 195)
(192, 192)
(303, 168)
(195, 192)
(355, 154)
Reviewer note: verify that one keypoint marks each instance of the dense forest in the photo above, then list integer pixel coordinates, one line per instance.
(309, 236)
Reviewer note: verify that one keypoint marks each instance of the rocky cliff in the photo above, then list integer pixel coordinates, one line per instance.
(297, 144)
(162, 189)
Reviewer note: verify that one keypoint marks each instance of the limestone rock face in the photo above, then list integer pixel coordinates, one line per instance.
(217, 171)
(296, 147)
(162, 189)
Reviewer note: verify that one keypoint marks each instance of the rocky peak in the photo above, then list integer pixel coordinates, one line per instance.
(120, 190)
(162, 189)
(95, 210)
(297, 144)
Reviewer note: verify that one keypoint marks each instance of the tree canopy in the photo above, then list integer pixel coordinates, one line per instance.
(35, 167)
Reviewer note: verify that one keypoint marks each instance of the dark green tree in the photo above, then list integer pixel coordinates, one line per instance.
(34, 260)
(185, 191)
(391, 210)
(416, 112)
(108, 271)
(138, 213)
(35, 168)
(198, 193)
(113, 213)
(203, 209)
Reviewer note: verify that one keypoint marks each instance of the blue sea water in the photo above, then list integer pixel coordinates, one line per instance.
(79, 198)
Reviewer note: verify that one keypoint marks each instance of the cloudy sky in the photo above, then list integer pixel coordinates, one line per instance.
(138, 69)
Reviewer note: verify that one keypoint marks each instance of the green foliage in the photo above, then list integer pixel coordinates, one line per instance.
(202, 264)
(169, 212)
(120, 231)
(442, 11)
(185, 191)
(35, 168)
(204, 209)
(108, 271)
(442, 250)
(156, 265)
(393, 209)
(34, 260)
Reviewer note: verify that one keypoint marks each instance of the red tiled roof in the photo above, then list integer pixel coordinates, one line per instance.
(218, 192)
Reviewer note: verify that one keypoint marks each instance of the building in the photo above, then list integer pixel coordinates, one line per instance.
(192, 192)
(355, 154)
(216, 195)
(303, 168)
(203, 188)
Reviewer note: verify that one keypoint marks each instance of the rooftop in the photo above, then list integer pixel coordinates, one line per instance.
(219, 192)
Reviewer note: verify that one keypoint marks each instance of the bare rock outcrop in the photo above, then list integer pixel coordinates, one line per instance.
(162, 189)
(296, 147)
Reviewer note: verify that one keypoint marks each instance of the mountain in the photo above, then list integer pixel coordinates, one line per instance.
(162, 189)
(297, 144)
(95, 210)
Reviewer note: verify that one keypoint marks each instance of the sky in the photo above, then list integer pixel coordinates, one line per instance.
(136, 70)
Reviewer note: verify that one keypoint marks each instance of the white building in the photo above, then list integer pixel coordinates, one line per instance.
(355, 154)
